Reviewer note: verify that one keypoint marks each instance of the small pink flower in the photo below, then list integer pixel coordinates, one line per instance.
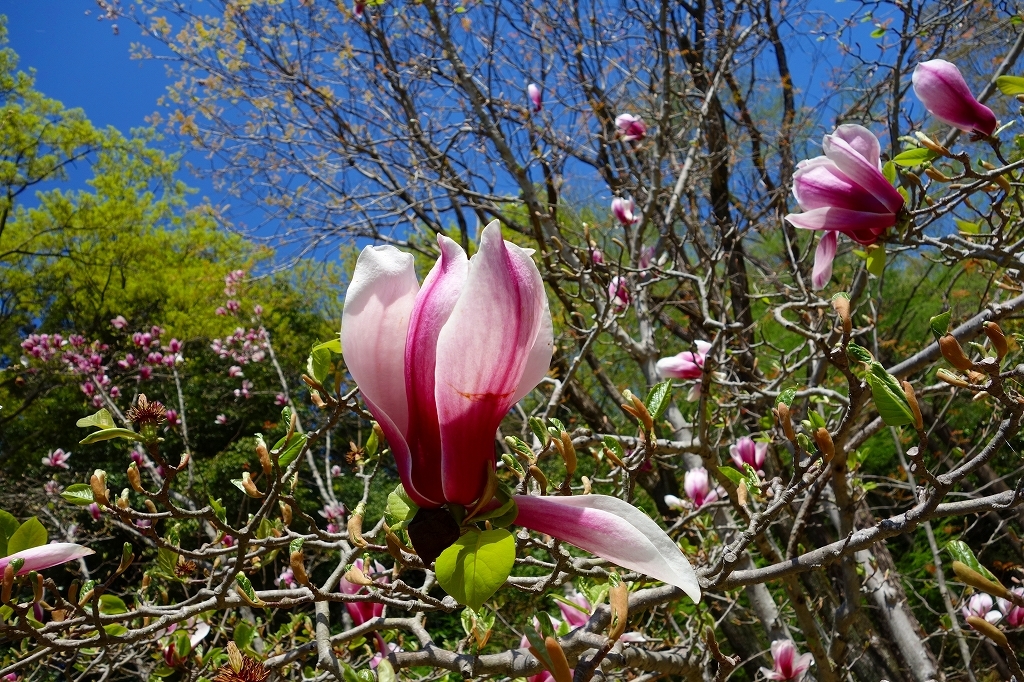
(174, 346)
(596, 257)
(280, 399)
(334, 511)
(94, 511)
(623, 210)
(245, 390)
(172, 418)
(233, 306)
(535, 95)
(257, 310)
(228, 540)
(97, 401)
(235, 371)
(980, 605)
(335, 471)
(788, 666)
(697, 485)
(221, 310)
(221, 419)
(1013, 615)
(358, 8)
(145, 373)
(115, 392)
(88, 388)
(119, 322)
(577, 612)
(156, 331)
(646, 257)
(746, 451)
(618, 294)
(630, 127)
(52, 487)
(154, 358)
(286, 579)
(686, 365)
(57, 459)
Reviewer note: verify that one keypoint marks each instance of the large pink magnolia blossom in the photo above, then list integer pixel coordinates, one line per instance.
(845, 192)
(686, 365)
(618, 294)
(439, 366)
(697, 485)
(46, 556)
(57, 459)
(981, 605)
(746, 451)
(630, 127)
(944, 93)
(788, 666)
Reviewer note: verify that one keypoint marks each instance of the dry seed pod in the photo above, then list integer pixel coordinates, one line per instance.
(995, 335)
(953, 353)
(914, 407)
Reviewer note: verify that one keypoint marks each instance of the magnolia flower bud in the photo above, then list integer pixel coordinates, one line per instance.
(560, 671)
(618, 600)
(568, 454)
(995, 335)
(951, 379)
(355, 526)
(783, 418)
(824, 441)
(297, 563)
(953, 353)
(944, 93)
(135, 478)
(98, 483)
(914, 407)
(988, 629)
(936, 175)
(249, 487)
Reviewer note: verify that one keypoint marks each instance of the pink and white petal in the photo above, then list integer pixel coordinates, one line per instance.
(46, 556)
(823, 257)
(613, 530)
(427, 480)
(862, 172)
(539, 361)
(482, 354)
(375, 321)
(202, 630)
(803, 663)
(681, 366)
(434, 304)
(820, 183)
(703, 347)
(863, 141)
(841, 220)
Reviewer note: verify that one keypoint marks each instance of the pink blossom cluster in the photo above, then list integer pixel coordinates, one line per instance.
(242, 347)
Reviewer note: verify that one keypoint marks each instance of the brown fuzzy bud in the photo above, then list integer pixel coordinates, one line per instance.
(135, 478)
(150, 506)
(995, 335)
(586, 484)
(542, 480)
(824, 441)
(298, 564)
(989, 630)
(98, 483)
(951, 379)
(249, 487)
(841, 304)
(742, 493)
(639, 410)
(979, 582)
(936, 175)
(914, 407)
(264, 455)
(610, 454)
(122, 502)
(953, 353)
(286, 513)
(355, 526)
(357, 577)
(568, 454)
(618, 600)
(561, 671)
(783, 417)
(5, 593)
(316, 399)
(235, 659)
(930, 144)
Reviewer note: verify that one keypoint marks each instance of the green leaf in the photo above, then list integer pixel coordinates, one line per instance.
(512, 464)
(537, 426)
(243, 634)
(889, 171)
(372, 444)
(559, 426)
(8, 524)
(658, 399)
(732, 474)
(1010, 85)
(940, 324)
(79, 494)
(218, 509)
(786, 397)
(967, 227)
(878, 32)
(753, 480)
(318, 365)
(475, 567)
(400, 507)
(959, 550)
(386, 673)
(108, 434)
(101, 420)
(890, 400)
(29, 534)
(112, 605)
(817, 421)
(876, 259)
(858, 353)
(914, 157)
(289, 453)
(182, 645)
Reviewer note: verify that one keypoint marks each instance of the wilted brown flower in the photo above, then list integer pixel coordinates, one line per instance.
(146, 412)
(241, 668)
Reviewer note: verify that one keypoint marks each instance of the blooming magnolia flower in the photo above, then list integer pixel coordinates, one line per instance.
(145, 373)
(334, 511)
(221, 310)
(286, 579)
(596, 256)
(280, 399)
(235, 371)
(686, 365)
(788, 666)
(440, 366)
(746, 451)
(623, 210)
(46, 556)
(618, 293)
(119, 322)
(980, 605)
(257, 310)
(845, 192)
(115, 391)
(630, 127)
(646, 257)
(174, 346)
(57, 458)
(233, 306)
(335, 471)
(1013, 615)
(221, 419)
(172, 418)
(52, 487)
(535, 95)
(697, 485)
(944, 93)
(575, 609)
(94, 511)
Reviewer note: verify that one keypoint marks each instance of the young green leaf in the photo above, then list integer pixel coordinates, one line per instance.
(29, 534)
(101, 420)
(658, 399)
(109, 434)
(876, 259)
(1010, 85)
(962, 553)
(79, 494)
(890, 400)
(914, 157)
(473, 568)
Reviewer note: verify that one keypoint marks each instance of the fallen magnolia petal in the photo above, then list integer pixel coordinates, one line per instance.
(46, 556)
(613, 530)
